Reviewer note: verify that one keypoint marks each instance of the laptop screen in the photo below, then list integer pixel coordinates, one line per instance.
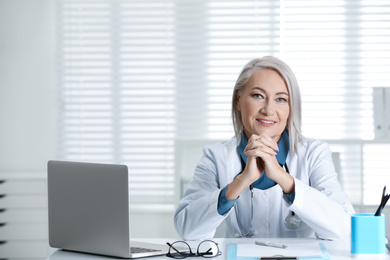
(88, 207)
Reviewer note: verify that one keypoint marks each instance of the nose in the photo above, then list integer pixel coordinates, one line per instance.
(268, 108)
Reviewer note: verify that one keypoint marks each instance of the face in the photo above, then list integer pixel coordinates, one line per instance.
(264, 104)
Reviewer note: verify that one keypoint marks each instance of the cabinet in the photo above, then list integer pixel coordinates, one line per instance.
(23, 216)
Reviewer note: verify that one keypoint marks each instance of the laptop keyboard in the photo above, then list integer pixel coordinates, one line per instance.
(142, 250)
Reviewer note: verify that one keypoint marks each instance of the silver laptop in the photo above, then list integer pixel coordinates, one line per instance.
(89, 210)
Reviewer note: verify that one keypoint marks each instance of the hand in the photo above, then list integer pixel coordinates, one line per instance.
(261, 157)
(262, 150)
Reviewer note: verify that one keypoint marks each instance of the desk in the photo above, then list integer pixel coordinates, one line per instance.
(338, 250)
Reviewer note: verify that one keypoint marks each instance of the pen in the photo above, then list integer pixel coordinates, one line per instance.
(385, 198)
(269, 243)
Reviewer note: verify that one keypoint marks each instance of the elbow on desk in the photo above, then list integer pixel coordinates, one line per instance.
(339, 231)
(181, 224)
(188, 230)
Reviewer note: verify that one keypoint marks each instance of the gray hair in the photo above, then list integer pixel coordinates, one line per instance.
(295, 118)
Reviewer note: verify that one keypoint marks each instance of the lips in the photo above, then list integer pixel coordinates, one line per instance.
(266, 122)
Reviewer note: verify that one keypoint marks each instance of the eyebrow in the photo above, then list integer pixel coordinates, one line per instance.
(278, 93)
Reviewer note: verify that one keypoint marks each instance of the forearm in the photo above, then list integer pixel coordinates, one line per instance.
(236, 187)
(285, 181)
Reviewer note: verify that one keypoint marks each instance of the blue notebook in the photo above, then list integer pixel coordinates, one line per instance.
(232, 254)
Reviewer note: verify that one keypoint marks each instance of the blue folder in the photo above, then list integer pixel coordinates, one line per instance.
(232, 254)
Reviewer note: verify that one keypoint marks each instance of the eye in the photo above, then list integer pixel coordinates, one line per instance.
(281, 100)
(257, 96)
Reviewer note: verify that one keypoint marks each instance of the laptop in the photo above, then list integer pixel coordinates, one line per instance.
(89, 210)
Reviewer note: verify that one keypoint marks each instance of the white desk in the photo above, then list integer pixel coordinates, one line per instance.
(338, 250)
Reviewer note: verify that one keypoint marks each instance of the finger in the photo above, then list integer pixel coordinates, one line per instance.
(259, 146)
(260, 151)
(264, 139)
(255, 145)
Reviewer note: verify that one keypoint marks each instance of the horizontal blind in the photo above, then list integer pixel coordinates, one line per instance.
(214, 41)
(339, 51)
(375, 72)
(376, 172)
(321, 41)
(351, 168)
(116, 73)
(238, 31)
(135, 76)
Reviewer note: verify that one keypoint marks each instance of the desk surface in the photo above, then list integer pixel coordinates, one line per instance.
(338, 250)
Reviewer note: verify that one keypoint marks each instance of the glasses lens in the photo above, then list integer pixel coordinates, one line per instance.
(208, 249)
(179, 250)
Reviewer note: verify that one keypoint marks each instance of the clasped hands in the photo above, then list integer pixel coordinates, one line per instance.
(261, 153)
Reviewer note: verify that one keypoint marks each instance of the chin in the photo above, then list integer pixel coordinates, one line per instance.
(270, 133)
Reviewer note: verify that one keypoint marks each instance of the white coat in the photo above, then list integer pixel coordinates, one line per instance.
(319, 201)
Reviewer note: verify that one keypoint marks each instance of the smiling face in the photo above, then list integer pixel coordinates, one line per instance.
(264, 104)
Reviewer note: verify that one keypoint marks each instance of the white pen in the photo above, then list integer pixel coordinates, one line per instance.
(269, 243)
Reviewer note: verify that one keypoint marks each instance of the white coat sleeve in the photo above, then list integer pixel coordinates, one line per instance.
(196, 217)
(322, 204)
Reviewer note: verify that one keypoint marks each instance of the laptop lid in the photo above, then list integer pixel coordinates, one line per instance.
(89, 209)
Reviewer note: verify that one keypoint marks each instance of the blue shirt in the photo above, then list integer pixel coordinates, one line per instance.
(263, 183)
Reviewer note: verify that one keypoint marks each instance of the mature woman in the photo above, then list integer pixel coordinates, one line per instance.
(269, 180)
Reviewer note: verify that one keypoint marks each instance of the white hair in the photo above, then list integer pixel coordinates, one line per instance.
(295, 118)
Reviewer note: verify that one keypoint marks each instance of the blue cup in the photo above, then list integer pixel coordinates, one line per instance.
(368, 234)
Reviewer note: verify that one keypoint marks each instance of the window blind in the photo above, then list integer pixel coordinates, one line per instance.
(339, 51)
(238, 31)
(116, 78)
(375, 68)
(214, 41)
(134, 76)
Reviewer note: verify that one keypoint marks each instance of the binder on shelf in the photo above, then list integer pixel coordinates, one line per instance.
(387, 113)
(379, 100)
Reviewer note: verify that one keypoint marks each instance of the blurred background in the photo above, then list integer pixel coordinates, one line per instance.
(149, 83)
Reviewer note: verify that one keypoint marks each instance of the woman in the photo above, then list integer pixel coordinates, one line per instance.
(269, 180)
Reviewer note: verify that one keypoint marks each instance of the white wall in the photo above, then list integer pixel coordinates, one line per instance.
(27, 85)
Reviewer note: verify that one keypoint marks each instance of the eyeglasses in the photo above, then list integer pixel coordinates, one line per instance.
(181, 249)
